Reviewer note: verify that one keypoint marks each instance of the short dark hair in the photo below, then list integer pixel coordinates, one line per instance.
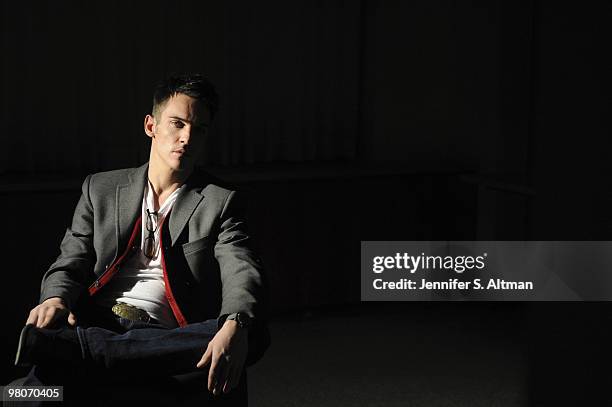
(193, 85)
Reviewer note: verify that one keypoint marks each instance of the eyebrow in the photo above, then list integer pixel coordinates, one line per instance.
(202, 124)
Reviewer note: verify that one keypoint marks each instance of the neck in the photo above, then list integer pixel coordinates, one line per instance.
(165, 180)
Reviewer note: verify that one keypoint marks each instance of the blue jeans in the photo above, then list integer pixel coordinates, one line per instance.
(136, 361)
(147, 349)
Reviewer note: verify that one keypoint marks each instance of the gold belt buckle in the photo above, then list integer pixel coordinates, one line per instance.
(130, 312)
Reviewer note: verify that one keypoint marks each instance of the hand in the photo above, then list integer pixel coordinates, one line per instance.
(51, 311)
(226, 354)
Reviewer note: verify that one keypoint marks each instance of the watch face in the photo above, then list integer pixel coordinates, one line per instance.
(242, 319)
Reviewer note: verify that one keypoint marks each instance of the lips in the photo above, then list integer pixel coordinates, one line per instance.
(181, 152)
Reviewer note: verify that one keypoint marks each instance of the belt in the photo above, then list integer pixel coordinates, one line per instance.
(131, 312)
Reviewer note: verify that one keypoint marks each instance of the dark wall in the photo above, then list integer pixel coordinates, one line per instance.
(423, 82)
(448, 82)
(571, 125)
(78, 76)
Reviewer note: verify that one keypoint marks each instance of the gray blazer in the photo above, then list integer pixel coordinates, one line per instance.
(210, 266)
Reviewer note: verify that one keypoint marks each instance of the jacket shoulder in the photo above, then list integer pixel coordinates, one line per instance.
(110, 179)
(211, 185)
(215, 189)
(219, 191)
(113, 174)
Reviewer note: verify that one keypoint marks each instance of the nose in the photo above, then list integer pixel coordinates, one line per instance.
(185, 135)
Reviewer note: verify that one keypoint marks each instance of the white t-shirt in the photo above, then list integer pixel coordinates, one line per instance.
(140, 281)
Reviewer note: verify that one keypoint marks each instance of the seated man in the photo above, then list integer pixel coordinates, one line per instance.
(156, 280)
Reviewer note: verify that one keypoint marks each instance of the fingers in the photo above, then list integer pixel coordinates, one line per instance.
(221, 375)
(72, 319)
(43, 316)
(216, 370)
(205, 358)
(33, 317)
(233, 379)
(225, 355)
(226, 386)
(212, 375)
(48, 316)
(230, 382)
(218, 373)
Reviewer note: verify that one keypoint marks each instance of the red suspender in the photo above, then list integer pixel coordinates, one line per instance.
(115, 267)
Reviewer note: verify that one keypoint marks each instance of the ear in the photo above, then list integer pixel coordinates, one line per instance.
(149, 125)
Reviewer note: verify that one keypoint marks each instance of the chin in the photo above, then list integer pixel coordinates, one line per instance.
(182, 166)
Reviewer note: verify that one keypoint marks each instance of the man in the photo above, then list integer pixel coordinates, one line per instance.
(156, 276)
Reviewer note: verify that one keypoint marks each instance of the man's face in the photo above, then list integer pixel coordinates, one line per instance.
(178, 132)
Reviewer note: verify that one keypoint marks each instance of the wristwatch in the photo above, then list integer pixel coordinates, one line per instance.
(243, 320)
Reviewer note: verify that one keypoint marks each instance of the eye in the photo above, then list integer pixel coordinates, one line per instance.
(177, 123)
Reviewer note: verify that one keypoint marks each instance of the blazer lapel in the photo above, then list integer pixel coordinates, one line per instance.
(129, 205)
(184, 207)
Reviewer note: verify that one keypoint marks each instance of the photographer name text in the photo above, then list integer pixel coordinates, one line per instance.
(452, 284)
(411, 264)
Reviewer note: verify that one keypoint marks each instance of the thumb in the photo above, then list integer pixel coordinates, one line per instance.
(72, 319)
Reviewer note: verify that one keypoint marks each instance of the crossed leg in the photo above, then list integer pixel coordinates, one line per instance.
(147, 349)
(138, 361)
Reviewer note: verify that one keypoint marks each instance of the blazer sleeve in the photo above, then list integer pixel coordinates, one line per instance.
(244, 287)
(66, 278)
(243, 284)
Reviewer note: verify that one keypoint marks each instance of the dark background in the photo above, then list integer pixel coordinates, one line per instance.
(346, 121)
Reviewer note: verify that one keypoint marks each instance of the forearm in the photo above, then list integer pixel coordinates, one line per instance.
(66, 281)
(243, 290)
